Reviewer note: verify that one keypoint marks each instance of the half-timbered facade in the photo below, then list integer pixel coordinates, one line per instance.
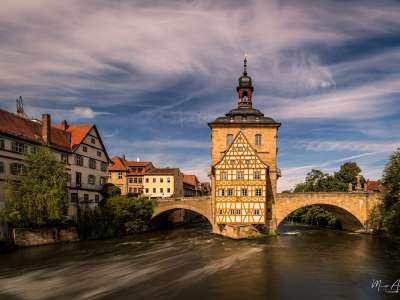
(240, 185)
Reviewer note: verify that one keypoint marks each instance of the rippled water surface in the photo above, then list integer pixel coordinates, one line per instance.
(194, 264)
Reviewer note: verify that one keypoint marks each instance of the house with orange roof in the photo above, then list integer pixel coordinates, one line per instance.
(79, 146)
(128, 175)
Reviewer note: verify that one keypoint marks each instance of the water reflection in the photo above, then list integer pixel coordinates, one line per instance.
(192, 263)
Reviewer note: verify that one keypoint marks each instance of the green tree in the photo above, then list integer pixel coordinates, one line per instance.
(38, 195)
(391, 205)
(347, 174)
(109, 190)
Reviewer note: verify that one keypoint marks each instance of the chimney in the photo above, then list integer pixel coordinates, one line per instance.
(123, 157)
(46, 128)
(64, 125)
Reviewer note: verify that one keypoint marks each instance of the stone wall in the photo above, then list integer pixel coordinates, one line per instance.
(35, 237)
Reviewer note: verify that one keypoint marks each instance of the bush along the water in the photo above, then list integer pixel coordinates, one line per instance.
(314, 215)
(386, 217)
(118, 216)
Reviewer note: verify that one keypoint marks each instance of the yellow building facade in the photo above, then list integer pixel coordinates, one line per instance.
(244, 169)
(163, 183)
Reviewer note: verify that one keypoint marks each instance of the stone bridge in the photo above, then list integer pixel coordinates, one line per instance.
(352, 209)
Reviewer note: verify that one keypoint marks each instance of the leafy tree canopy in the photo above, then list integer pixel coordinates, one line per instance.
(38, 195)
(318, 181)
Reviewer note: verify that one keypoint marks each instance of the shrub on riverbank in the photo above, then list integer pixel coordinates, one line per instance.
(118, 216)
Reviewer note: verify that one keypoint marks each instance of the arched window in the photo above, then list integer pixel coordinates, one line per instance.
(258, 139)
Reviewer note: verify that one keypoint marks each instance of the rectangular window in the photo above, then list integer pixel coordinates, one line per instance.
(244, 192)
(16, 168)
(102, 180)
(135, 190)
(161, 180)
(221, 212)
(64, 158)
(147, 191)
(1, 167)
(154, 190)
(2, 144)
(119, 175)
(221, 192)
(257, 175)
(18, 147)
(78, 160)
(96, 198)
(135, 180)
(92, 179)
(93, 140)
(84, 149)
(140, 179)
(147, 180)
(168, 190)
(74, 197)
(224, 175)
(86, 197)
(238, 211)
(78, 179)
(239, 175)
(103, 166)
(232, 211)
(258, 192)
(161, 190)
(130, 190)
(92, 163)
(258, 139)
(154, 180)
(229, 139)
(230, 192)
(168, 180)
(99, 153)
(130, 180)
(257, 212)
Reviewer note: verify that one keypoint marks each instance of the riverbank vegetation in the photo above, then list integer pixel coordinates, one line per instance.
(117, 216)
(386, 218)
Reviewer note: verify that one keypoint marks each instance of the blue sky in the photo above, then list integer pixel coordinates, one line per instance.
(151, 74)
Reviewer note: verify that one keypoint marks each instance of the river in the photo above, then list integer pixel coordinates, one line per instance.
(301, 263)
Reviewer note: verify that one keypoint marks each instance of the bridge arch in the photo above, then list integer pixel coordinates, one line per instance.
(351, 209)
(347, 220)
(198, 205)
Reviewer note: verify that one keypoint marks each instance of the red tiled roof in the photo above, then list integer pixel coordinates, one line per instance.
(374, 186)
(191, 179)
(162, 171)
(30, 130)
(117, 164)
(78, 132)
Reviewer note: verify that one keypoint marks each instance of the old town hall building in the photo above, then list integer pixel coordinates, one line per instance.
(244, 169)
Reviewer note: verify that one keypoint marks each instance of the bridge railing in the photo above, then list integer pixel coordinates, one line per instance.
(173, 199)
